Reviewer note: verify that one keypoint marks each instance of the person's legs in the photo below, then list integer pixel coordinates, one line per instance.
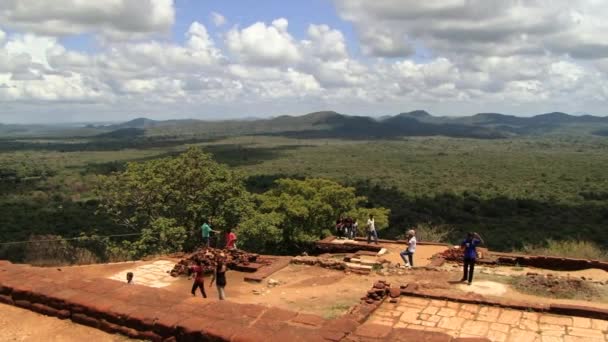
(194, 286)
(375, 236)
(220, 291)
(201, 286)
(471, 270)
(403, 254)
(465, 275)
(410, 256)
(369, 237)
(206, 241)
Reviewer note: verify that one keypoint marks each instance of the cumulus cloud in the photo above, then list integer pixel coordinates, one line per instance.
(114, 18)
(262, 44)
(484, 27)
(218, 19)
(451, 56)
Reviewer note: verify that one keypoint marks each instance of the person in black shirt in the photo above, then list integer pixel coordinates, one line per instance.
(219, 276)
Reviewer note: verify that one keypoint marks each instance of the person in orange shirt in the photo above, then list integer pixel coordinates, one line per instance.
(230, 239)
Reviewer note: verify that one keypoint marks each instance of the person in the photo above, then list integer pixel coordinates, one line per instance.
(353, 232)
(206, 230)
(199, 281)
(230, 239)
(339, 227)
(219, 276)
(129, 277)
(371, 229)
(348, 227)
(470, 244)
(410, 250)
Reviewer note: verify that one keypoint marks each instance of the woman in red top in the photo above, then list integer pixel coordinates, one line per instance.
(199, 282)
(230, 239)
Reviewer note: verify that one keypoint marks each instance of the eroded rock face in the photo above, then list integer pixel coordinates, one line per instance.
(208, 256)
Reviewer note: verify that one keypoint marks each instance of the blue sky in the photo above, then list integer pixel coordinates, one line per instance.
(169, 59)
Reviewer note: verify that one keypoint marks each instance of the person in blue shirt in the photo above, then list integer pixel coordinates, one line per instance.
(206, 230)
(470, 255)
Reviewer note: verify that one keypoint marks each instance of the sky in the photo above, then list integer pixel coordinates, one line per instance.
(82, 61)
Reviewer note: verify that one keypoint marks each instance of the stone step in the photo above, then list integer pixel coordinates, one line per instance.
(358, 266)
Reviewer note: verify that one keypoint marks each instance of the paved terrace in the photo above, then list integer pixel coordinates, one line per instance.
(159, 315)
(470, 320)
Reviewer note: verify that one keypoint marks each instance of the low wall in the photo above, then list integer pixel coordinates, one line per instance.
(327, 246)
(548, 262)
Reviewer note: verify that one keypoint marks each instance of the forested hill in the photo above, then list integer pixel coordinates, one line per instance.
(328, 124)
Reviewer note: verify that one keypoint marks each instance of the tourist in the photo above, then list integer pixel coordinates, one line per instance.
(470, 255)
(230, 239)
(206, 229)
(354, 232)
(371, 229)
(219, 276)
(340, 227)
(199, 281)
(129, 277)
(410, 250)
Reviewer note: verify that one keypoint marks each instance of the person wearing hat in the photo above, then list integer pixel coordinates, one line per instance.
(410, 236)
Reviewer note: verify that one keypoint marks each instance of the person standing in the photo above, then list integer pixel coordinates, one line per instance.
(206, 231)
(199, 281)
(354, 231)
(371, 229)
(470, 244)
(230, 239)
(410, 250)
(219, 276)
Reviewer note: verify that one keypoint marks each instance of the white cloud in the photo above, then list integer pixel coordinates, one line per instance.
(112, 18)
(218, 19)
(262, 44)
(264, 68)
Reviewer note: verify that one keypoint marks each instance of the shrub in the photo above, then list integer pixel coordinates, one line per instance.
(568, 249)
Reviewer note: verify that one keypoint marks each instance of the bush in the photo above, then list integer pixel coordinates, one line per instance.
(567, 249)
(427, 232)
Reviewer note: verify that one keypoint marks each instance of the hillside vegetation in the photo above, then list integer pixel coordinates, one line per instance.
(517, 190)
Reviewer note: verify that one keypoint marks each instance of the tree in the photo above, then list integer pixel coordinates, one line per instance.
(186, 190)
(296, 213)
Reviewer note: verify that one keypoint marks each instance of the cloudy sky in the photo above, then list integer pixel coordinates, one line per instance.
(80, 60)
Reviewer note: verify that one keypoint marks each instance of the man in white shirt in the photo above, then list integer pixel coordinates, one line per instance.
(410, 250)
(371, 229)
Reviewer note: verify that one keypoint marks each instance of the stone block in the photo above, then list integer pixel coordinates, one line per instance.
(373, 331)
(307, 319)
(85, 320)
(277, 314)
(6, 299)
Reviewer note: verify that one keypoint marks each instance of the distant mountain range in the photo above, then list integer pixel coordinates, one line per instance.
(328, 124)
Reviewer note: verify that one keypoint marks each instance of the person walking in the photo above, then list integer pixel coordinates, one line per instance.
(371, 229)
(219, 276)
(470, 244)
(410, 250)
(199, 281)
(353, 232)
(206, 231)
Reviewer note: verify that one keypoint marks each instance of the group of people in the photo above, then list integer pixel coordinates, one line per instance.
(346, 227)
(230, 236)
(469, 246)
(219, 273)
(219, 277)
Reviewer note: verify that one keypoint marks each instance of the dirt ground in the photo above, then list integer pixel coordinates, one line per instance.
(23, 325)
(422, 257)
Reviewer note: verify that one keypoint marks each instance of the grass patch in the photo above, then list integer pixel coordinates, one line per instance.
(568, 249)
(336, 310)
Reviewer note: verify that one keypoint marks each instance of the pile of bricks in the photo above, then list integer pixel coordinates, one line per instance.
(318, 261)
(379, 291)
(208, 256)
(453, 254)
